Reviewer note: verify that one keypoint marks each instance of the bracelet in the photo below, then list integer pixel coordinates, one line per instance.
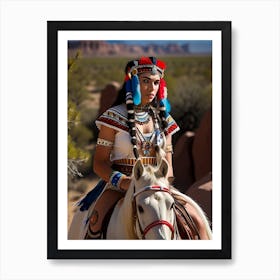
(103, 142)
(115, 179)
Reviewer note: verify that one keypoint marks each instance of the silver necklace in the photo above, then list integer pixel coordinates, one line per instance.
(146, 143)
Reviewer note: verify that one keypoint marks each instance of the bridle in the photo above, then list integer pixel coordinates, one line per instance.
(155, 223)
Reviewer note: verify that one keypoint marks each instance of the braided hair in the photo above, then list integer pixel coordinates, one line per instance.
(130, 95)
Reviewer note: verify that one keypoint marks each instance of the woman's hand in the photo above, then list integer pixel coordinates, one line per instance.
(125, 183)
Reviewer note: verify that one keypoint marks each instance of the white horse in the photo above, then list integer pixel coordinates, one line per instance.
(148, 209)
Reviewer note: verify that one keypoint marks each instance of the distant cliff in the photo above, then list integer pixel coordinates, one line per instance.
(102, 48)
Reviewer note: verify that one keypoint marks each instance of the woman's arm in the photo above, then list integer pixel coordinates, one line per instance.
(101, 162)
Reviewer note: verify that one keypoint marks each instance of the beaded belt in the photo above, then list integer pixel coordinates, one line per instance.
(125, 166)
(131, 161)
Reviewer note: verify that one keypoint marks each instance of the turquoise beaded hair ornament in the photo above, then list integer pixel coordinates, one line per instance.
(133, 93)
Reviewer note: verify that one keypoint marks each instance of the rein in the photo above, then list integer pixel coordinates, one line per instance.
(155, 223)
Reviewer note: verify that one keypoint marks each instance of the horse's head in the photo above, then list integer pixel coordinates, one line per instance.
(153, 203)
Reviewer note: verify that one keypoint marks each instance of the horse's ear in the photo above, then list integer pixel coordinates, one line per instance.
(138, 169)
(163, 169)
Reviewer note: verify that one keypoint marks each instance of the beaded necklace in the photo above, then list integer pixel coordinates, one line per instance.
(146, 143)
(142, 115)
(145, 108)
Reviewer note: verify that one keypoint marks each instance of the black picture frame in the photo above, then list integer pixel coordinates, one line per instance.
(53, 251)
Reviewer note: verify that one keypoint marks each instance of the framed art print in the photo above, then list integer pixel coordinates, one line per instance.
(86, 63)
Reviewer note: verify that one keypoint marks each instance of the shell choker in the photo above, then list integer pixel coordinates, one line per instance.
(144, 108)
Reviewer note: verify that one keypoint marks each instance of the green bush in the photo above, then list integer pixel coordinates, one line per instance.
(189, 102)
(79, 136)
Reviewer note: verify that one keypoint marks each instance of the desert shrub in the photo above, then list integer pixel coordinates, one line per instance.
(81, 135)
(88, 115)
(189, 102)
(79, 159)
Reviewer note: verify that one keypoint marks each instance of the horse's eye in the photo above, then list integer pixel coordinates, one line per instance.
(172, 206)
(140, 209)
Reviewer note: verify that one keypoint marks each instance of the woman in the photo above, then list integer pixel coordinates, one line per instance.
(138, 125)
